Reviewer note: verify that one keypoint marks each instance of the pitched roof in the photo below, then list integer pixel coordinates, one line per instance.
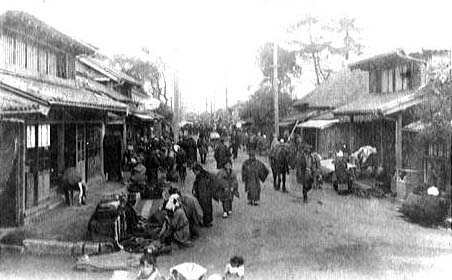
(297, 117)
(394, 57)
(11, 103)
(28, 24)
(69, 94)
(380, 104)
(100, 88)
(110, 72)
(345, 86)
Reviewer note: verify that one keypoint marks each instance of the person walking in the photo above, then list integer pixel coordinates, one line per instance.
(202, 148)
(222, 154)
(203, 190)
(235, 143)
(229, 188)
(253, 172)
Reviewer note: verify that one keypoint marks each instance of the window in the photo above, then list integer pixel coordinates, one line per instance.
(35, 57)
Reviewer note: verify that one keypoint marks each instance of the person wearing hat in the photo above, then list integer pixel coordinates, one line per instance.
(253, 172)
(181, 162)
(229, 187)
(222, 154)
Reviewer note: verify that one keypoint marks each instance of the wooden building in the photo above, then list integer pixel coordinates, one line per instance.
(99, 76)
(377, 119)
(315, 121)
(48, 121)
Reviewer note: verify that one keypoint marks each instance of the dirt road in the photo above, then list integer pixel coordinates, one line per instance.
(330, 237)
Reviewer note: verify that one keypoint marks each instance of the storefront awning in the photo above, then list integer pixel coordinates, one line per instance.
(318, 124)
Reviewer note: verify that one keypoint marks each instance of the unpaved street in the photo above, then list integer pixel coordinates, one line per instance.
(330, 237)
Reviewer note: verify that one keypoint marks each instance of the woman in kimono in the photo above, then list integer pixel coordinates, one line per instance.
(203, 190)
(176, 227)
(229, 188)
(253, 172)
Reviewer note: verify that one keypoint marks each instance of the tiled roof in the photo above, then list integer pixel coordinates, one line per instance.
(380, 104)
(396, 57)
(100, 88)
(68, 94)
(297, 117)
(107, 70)
(29, 24)
(343, 87)
(11, 103)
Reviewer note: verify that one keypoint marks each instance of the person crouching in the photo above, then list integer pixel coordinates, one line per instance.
(176, 227)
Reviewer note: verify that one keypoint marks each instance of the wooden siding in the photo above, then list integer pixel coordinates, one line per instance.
(24, 54)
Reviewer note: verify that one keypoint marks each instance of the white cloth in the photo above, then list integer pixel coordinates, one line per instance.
(433, 191)
(173, 202)
(191, 271)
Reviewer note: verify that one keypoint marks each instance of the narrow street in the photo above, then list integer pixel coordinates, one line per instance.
(330, 237)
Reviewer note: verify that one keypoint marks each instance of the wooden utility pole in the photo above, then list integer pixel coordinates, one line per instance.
(275, 87)
(176, 117)
(226, 99)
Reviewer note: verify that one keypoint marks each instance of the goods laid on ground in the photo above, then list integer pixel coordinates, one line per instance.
(108, 221)
(121, 260)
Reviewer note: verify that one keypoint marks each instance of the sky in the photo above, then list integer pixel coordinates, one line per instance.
(213, 44)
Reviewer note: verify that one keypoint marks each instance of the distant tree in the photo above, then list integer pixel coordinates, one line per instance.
(143, 70)
(288, 67)
(349, 32)
(435, 115)
(313, 45)
(259, 107)
(165, 111)
(317, 42)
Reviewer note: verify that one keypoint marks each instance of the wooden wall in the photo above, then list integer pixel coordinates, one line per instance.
(26, 54)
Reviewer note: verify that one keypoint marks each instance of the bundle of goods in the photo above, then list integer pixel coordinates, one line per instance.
(108, 222)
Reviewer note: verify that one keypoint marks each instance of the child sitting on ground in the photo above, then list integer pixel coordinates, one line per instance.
(235, 269)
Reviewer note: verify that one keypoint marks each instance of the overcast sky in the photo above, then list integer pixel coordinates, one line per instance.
(214, 43)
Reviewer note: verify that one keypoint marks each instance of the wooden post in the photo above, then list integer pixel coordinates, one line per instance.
(350, 131)
(398, 142)
(275, 87)
(60, 133)
(102, 136)
(381, 142)
(124, 137)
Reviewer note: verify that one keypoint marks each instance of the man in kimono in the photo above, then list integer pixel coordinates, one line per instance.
(222, 154)
(192, 210)
(253, 172)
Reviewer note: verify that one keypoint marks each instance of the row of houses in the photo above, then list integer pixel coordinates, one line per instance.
(60, 107)
(373, 102)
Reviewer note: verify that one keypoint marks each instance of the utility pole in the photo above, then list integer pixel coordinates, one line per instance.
(226, 99)
(206, 106)
(176, 117)
(275, 87)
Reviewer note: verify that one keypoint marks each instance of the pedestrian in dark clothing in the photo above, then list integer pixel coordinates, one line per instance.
(229, 188)
(152, 164)
(235, 144)
(253, 172)
(304, 170)
(202, 148)
(203, 190)
(181, 162)
(222, 154)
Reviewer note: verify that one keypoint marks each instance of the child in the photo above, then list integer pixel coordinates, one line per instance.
(235, 269)
(148, 268)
